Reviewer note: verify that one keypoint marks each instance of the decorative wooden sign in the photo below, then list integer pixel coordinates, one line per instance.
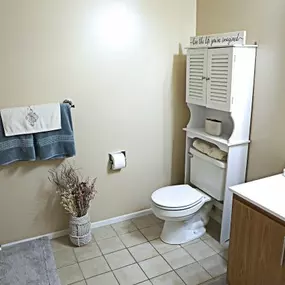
(219, 40)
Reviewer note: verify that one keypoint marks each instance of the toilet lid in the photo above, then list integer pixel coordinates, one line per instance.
(178, 196)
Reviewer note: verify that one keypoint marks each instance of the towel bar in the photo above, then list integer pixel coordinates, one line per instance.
(67, 101)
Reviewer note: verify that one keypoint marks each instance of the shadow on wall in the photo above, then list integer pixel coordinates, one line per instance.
(22, 168)
(46, 211)
(180, 113)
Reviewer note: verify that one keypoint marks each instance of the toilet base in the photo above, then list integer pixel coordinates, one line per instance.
(178, 232)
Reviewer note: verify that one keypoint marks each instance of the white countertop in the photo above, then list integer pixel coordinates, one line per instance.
(267, 193)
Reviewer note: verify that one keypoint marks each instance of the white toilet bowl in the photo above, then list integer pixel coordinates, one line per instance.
(185, 211)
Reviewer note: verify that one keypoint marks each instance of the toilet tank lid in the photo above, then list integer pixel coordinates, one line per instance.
(176, 196)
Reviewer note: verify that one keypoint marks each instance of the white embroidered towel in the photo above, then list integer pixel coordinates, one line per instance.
(31, 119)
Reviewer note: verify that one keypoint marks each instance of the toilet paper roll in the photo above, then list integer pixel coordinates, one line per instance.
(118, 161)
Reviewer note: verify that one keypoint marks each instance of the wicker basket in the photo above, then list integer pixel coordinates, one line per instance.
(80, 230)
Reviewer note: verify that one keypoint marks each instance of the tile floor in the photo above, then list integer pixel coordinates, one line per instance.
(131, 252)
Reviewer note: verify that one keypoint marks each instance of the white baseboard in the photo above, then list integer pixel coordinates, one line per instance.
(94, 225)
(120, 218)
(49, 235)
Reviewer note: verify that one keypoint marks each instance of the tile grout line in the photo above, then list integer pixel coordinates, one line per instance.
(223, 257)
(205, 268)
(213, 279)
(138, 263)
(136, 229)
(159, 254)
(203, 258)
(127, 248)
(132, 245)
(116, 235)
(156, 223)
(216, 253)
(77, 282)
(147, 228)
(87, 259)
(112, 270)
(165, 243)
(106, 258)
(174, 270)
(149, 257)
(102, 255)
(224, 249)
(86, 279)
(139, 267)
(72, 264)
(198, 261)
(79, 264)
(149, 240)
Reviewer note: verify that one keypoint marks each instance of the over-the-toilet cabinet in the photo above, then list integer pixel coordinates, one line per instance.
(211, 73)
(220, 86)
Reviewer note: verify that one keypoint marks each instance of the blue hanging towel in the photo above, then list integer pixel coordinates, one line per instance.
(16, 148)
(57, 144)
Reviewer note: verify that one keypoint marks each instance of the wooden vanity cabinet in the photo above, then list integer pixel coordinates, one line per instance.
(256, 252)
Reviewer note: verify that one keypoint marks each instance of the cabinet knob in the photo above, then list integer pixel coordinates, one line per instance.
(208, 78)
(203, 77)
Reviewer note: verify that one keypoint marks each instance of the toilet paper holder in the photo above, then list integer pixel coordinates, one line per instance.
(111, 162)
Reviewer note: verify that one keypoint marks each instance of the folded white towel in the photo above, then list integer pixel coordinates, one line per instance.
(210, 150)
(31, 119)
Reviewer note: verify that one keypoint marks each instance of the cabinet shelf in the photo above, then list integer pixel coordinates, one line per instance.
(223, 141)
(201, 134)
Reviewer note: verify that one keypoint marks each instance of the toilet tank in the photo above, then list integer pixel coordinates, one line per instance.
(208, 174)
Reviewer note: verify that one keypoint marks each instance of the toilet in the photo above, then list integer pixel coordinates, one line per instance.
(185, 211)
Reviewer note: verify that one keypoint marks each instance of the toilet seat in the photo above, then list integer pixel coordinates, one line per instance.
(179, 208)
(177, 198)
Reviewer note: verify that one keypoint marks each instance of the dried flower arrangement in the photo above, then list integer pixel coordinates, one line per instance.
(75, 191)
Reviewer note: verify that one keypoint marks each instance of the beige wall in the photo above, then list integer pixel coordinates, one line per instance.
(119, 61)
(265, 23)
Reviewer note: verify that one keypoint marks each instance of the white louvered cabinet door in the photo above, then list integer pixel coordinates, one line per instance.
(220, 63)
(196, 84)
